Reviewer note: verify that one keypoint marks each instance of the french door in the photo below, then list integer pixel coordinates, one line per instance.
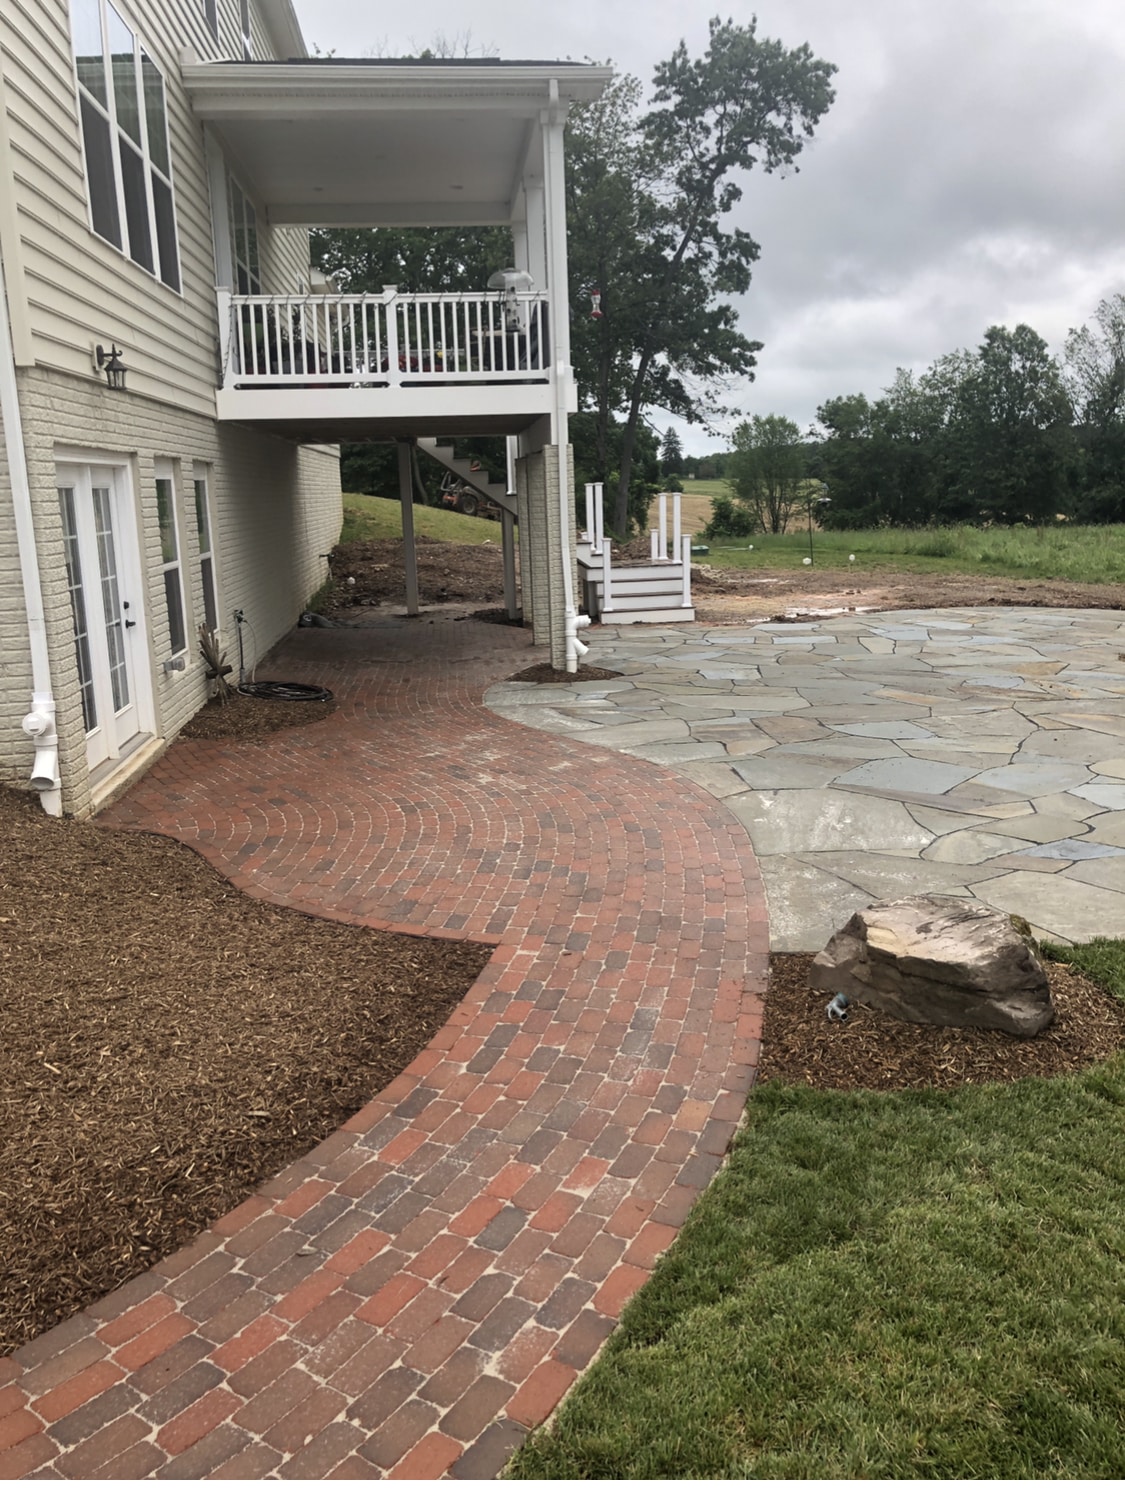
(104, 580)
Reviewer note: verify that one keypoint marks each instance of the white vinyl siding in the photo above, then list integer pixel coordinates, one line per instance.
(80, 289)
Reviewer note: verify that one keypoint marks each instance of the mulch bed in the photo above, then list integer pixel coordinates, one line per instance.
(167, 1044)
(544, 673)
(875, 1051)
(244, 717)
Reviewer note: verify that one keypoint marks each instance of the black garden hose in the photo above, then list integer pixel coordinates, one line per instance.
(289, 693)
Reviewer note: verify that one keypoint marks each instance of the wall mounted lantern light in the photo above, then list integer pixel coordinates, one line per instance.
(111, 365)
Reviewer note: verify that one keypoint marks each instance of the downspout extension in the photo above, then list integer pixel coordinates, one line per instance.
(40, 723)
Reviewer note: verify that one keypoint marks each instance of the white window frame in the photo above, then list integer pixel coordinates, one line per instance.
(165, 267)
(211, 16)
(247, 267)
(171, 569)
(205, 529)
(245, 28)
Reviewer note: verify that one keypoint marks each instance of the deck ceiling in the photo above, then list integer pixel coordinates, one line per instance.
(337, 144)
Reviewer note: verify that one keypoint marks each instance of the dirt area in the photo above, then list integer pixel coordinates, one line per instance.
(473, 573)
(167, 1044)
(729, 596)
(369, 573)
(875, 1051)
(245, 717)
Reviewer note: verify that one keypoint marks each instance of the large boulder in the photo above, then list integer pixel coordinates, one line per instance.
(940, 960)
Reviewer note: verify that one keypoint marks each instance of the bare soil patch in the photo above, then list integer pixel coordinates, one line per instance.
(370, 573)
(875, 1051)
(544, 673)
(167, 1044)
(474, 573)
(724, 597)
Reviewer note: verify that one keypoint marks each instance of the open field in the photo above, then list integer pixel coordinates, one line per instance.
(381, 517)
(1086, 555)
(923, 1284)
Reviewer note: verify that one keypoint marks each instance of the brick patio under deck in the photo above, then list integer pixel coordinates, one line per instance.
(421, 1289)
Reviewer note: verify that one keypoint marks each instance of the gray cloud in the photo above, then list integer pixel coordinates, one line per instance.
(968, 174)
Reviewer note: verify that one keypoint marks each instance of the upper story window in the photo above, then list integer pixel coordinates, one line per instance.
(244, 248)
(211, 15)
(244, 20)
(125, 136)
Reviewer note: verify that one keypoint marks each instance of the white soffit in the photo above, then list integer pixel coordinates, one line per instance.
(334, 143)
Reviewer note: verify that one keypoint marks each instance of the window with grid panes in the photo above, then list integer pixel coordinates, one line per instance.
(125, 139)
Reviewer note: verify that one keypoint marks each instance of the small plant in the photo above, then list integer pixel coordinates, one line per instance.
(214, 655)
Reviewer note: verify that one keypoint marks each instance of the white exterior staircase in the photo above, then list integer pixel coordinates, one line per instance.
(659, 591)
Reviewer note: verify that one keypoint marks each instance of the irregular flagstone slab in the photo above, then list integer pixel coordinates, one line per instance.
(939, 821)
(887, 730)
(715, 777)
(908, 775)
(1105, 795)
(958, 753)
(1107, 873)
(1075, 849)
(888, 876)
(969, 847)
(1114, 767)
(782, 769)
(843, 749)
(1045, 828)
(672, 755)
(1062, 906)
(805, 904)
(1038, 777)
(1108, 828)
(546, 719)
(662, 729)
(1064, 745)
(800, 821)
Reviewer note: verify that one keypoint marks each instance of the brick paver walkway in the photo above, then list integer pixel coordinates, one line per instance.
(425, 1286)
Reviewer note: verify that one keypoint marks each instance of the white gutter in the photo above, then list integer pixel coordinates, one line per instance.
(40, 723)
(557, 278)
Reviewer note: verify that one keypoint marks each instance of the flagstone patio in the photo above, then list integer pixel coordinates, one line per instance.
(972, 752)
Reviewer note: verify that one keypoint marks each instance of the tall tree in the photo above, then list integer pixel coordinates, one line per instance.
(1094, 374)
(1013, 430)
(767, 470)
(671, 453)
(670, 339)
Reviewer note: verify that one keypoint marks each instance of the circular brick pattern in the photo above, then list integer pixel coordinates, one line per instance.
(420, 1290)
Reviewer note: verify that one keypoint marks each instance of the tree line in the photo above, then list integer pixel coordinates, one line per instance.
(1004, 434)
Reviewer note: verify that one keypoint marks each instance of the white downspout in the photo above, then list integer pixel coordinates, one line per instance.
(555, 199)
(40, 723)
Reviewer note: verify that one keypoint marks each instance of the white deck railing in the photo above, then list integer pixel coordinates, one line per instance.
(383, 340)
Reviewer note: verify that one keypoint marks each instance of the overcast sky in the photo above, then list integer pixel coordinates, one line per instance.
(969, 173)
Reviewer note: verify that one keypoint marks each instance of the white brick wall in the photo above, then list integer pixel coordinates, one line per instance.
(275, 509)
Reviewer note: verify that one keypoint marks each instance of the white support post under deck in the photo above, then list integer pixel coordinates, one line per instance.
(409, 553)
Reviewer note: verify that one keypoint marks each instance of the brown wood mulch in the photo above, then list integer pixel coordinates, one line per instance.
(544, 673)
(244, 717)
(167, 1044)
(875, 1051)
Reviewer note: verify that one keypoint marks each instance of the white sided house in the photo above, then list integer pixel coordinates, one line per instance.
(160, 166)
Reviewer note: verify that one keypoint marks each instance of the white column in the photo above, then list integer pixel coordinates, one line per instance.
(406, 498)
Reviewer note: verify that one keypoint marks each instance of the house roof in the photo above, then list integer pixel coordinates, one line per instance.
(402, 142)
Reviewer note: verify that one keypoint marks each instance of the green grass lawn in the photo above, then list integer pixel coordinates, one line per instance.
(1066, 552)
(878, 1286)
(381, 517)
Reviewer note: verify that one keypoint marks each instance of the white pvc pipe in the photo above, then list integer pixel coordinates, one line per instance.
(40, 723)
(555, 199)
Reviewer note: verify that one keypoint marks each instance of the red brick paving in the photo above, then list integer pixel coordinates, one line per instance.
(423, 1288)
